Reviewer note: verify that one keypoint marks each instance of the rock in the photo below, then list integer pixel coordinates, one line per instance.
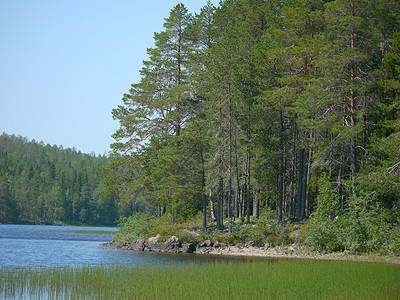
(151, 244)
(220, 245)
(171, 245)
(203, 250)
(206, 243)
(249, 244)
(173, 239)
(204, 247)
(266, 246)
(154, 239)
(124, 246)
(138, 245)
(187, 248)
(112, 244)
(290, 247)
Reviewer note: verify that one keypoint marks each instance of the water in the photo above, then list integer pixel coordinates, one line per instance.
(34, 245)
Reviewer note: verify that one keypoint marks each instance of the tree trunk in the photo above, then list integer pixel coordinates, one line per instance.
(256, 206)
(248, 185)
(212, 214)
(229, 155)
(238, 189)
(280, 168)
(242, 205)
(204, 199)
(300, 185)
(353, 141)
(304, 186)
(219, 205)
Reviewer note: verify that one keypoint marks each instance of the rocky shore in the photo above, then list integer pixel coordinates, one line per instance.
(173, 245)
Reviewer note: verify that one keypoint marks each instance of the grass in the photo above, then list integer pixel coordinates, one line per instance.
(277, 279)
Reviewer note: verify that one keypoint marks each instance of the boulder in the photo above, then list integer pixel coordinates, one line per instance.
(206, 243)
(220, 245)
(187, 248)
(249, 244)
(138, 245)
(172, 245)
(172, 240)
(153, 239)
(151, 244)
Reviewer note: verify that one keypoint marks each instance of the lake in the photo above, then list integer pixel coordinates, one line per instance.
(36, 245)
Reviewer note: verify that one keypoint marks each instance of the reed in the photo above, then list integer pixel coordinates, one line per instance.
(283, 279)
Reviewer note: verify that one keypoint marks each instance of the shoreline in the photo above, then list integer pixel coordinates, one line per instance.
(257, 252)
(171, 245)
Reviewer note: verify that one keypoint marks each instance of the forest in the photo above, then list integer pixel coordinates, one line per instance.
(256, 107)
(43, 184)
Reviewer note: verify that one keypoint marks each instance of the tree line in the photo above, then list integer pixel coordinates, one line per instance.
(288, 105)
(45, 184)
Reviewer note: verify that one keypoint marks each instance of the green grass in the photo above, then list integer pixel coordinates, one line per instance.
(258, 279)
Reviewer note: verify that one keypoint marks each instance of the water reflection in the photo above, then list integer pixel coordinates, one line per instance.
(31, 245)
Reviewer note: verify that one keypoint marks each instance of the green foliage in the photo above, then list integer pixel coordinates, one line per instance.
(48, 184)
(133, 227)
(140, 225)
(320, 230)
(358, 228)
(264, 230)
(229, 96)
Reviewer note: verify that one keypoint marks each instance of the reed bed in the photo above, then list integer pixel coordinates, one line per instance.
(286, 279)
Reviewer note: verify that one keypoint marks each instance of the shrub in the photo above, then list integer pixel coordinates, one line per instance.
(135, 226)
(320, 231)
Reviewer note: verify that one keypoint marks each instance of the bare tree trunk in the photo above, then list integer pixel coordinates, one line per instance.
(353, 141)
(219, 205)
(238, 190)
(204, 199)
(229, 155)
(290, 200)
(304, 186)
(248, 186)
(280, 168)
(256, 206)
(242, 205)
(161, 211)
(212, 214)
(203, 188)
(235, 205)
(300, 185)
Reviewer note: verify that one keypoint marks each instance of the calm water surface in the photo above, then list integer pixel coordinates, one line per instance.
(34, 245)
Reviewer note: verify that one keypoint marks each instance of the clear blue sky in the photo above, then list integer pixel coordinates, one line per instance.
(64, 65)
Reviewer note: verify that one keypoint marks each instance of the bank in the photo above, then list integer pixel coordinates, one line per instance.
(249, 249)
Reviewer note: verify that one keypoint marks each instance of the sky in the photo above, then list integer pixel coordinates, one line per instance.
(64, 65)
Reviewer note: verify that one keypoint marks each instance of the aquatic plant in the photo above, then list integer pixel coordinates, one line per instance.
(258, 279)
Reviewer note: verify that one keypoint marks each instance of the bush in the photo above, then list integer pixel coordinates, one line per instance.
(136, 226)
(321, 235)
(394, 240)
(275, 232)
(320, 231)
(360, 227)
(265, 229)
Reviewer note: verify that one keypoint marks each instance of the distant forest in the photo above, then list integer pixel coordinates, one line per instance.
(45, 184)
